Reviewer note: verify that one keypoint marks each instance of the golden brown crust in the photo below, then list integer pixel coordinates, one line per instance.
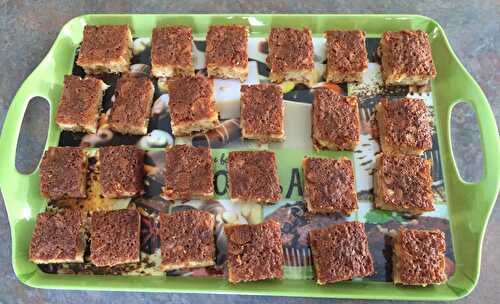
(419, 257)
(114, 237)
(340, 252)
(132, 105)
(262, 112)
(329, 185)
(346, 55)
(254, 252)
(63, 173)
(403, 183)
(227, 46)
(121, 171)
(253, 177)
(335, 120)
(80, 104)
(189, 173)
(58, 237)
(187, 239)
(404, 125)
(171, 47)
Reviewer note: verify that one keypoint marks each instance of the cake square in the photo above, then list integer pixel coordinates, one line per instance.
(132, 103)
(403, 183)
(340, 252)
(253, 177)
(329, 185)
(192, 105)
(172, 51)
(189, 173)
(63, 173)
(404, 126)
(187, 239)
(254, 252)
(418, 257)
(114, 237)
(346, 56)
(80, 104)
(121, 171)
(335, 120)
(291, 56)
(58, 237)
(105, 49)
(262, 112)
(226, 51)
(406, 58)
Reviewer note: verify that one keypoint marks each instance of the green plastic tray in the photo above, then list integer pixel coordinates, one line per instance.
(470, 204)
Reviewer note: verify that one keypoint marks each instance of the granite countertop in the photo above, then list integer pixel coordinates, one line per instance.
(29, 29)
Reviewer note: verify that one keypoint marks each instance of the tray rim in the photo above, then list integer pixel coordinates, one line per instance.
(461, 284)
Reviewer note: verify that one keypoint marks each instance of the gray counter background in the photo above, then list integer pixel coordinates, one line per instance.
(28, 29)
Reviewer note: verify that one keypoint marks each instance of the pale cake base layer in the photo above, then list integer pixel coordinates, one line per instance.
(336, 77)
(190, 264)
(172, 196)
(257, 200)
(307, 77)
(263, 139)
(171, 70)
(385, 146)
(202, 125)
(320, 144)
(240, 73)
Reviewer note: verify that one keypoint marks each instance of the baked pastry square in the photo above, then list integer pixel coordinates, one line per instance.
(187, 239)
(418, 257)
(58, 237)
(80, 104)
(121, 171)
(189, 173)
(114, 237)
(262, 112)
(192, 105)
(340, 252)
(335, 120)
(63, 173)
(403, 183)
(406, 58)
(346, 56)
(254, 252)
(253, 177)
(329, 185)
(291, 56)
(226, 51)
(172, 51)
(404, 126)
(105, 49)
(132, 105)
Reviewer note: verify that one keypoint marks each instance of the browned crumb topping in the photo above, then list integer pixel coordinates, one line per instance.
(121, 170)
(420, 256)
(57, 236)
(172, 45)
(188, 171)
(407, 123)
(227, 45)
(103, 43)
(408, 52)
(114, 237)
(254, 252)
(262, 109)
(407, 180)
(340, 252)
(290, 50)
(191, 99)
(63, 172)
(187, 236)
(335, 118)
(132, 105)
(346, 51)
(80, 101)
(329, 185)
(253, 176)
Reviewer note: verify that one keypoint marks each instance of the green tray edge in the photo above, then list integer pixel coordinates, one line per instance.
(468, 227)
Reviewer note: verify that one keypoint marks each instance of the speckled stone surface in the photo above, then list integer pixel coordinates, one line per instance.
(28, 29)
